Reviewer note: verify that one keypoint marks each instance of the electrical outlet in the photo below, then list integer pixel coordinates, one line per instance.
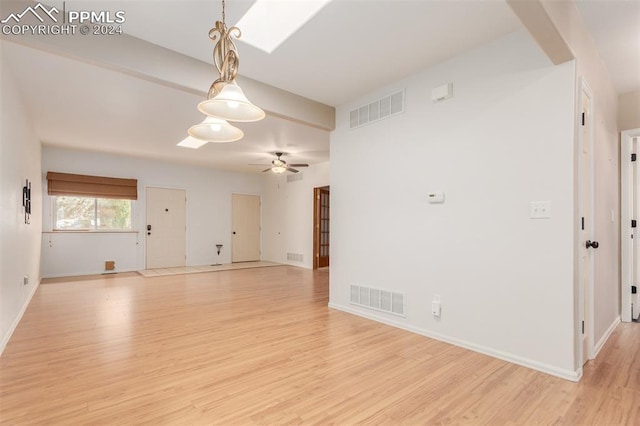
(25, 280)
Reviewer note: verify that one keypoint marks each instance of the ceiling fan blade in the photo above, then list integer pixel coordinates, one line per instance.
(299, 165)
(292, 170)
(266, 170)
(263, 165)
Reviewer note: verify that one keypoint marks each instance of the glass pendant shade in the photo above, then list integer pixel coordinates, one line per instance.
(278, 169)
(214, 129)
(231, 104)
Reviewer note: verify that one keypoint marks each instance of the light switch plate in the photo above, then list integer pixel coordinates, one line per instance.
(540, 209)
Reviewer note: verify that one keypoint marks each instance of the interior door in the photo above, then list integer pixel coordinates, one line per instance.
(166, 228)
(245, 223)
(586, 203)
(321, 226)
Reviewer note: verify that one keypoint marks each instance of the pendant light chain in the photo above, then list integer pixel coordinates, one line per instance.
(223, 15)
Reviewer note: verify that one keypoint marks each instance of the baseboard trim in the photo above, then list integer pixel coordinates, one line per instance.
(573, 376)
(605, 337)
(82, 274)
(14, 325)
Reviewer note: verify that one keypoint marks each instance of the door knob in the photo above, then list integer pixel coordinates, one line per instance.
(593, 244)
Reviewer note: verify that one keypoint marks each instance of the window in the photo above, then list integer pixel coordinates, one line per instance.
(91, 214)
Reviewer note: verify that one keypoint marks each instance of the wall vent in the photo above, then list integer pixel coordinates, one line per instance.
(380, 300)
(294, 177)
(377, 110)
(295, 257)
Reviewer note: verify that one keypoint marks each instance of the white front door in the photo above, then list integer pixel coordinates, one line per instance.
(245, 223)
(166, 228)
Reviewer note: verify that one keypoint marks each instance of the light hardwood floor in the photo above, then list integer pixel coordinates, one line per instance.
(260, 346)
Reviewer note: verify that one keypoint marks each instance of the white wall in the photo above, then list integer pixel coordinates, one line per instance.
(505, 139)
(208, 212)
(19, 242)
(287, 210)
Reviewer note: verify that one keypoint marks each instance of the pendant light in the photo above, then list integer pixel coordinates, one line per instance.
(225, 100)
(214, 129)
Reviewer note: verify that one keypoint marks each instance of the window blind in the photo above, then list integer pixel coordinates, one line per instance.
(91, 186)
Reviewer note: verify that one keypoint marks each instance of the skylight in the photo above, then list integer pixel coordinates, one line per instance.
(268, 23)
(190, 142)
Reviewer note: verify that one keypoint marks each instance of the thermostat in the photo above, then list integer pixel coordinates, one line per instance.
(436, 197)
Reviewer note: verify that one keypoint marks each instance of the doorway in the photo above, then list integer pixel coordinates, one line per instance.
(321, 226)
(630, 209)
(166, 229)
(245, 228)
(586, 241)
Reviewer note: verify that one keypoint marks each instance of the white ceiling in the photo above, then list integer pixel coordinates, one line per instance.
(615, 28)
(348, 49)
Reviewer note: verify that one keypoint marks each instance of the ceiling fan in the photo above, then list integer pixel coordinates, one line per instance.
(280, 166)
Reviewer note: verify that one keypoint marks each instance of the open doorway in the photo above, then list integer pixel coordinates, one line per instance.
(321, 217)
(630, 210)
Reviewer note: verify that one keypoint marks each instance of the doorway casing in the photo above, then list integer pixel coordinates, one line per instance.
(627, 253)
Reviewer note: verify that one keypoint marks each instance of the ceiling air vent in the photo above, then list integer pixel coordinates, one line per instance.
(377, 110)
(379, 300)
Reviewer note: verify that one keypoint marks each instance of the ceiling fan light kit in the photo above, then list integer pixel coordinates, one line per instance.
(225, 100)
(279, 166)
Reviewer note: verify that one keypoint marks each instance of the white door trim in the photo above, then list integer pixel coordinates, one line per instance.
(626, 210)
(585, 293)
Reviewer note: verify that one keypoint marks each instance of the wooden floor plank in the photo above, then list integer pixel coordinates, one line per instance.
(260, 346)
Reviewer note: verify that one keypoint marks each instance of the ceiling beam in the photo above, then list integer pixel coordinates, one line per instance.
(537, 21)
(147, 61)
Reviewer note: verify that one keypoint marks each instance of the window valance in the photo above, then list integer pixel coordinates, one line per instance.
(91, 186)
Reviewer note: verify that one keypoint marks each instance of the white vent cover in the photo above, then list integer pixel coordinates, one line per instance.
(295, 257)
(380, 300)
(294, 177)
(377, 110)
